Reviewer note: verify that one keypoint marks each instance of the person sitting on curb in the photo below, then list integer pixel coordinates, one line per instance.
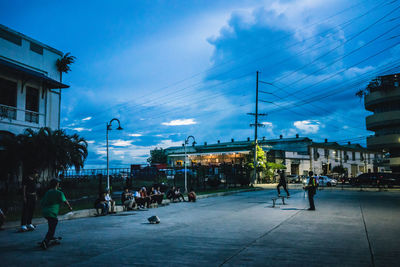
(50, 208)
(171, 194)
(156, 195)
(178, 195)
(192, 195)
(110, 201)
(101, 203)
(145, 196)
(127, 199)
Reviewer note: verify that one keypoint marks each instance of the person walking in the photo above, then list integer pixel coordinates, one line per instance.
(50, 208)
(29, 201)
(282, 182)
(311, 189)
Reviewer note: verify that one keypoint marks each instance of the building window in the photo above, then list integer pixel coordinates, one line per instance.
(11, 37)
(36, 48)
(326, 153)
(8, 99)
(353, 155)
(361, 156)
(32, 105)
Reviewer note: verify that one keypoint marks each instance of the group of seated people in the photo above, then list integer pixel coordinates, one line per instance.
(142, 198)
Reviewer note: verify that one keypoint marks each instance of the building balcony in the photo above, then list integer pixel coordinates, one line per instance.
(379, 97)
(379, 120)
(384, 141)
(7, 112)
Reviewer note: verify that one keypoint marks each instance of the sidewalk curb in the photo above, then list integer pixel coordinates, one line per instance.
(92, 212)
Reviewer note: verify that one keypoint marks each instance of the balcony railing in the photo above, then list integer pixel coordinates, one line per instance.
(31, 116)
(7, 112)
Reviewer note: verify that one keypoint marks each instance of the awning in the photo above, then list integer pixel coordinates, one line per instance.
(30, 74)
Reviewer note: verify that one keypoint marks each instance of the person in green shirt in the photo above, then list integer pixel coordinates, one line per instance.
(50, 208)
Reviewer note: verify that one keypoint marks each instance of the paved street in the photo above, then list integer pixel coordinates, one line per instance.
(349, 228)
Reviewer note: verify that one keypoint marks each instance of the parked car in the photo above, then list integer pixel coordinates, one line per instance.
(375, 179)
(293, 178)
(326, 181)
(322, 181)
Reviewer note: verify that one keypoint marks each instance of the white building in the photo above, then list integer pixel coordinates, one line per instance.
(30, 84)
(299, 155)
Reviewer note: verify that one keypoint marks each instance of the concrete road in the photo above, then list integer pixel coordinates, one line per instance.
(348, 228)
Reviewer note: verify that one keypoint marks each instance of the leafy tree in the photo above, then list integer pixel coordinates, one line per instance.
(63, 64)
(339, 169)
(54, 151)
(263, 165)
(157, 155)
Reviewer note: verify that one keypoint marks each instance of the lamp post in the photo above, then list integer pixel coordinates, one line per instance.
(109, 129)
(184, 146)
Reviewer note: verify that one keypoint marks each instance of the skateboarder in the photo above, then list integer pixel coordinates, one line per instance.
(282, 182)
(50, 208)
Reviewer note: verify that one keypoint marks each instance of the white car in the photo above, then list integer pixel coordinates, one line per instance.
(322, 181)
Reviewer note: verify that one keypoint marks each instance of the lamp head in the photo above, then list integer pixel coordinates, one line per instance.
(120, 128)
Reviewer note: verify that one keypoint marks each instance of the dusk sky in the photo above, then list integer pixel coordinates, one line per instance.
(169, 69)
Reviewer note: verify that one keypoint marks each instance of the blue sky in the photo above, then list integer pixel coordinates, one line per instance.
(169, 69)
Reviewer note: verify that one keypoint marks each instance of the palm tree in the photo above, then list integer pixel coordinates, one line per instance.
(63, 64)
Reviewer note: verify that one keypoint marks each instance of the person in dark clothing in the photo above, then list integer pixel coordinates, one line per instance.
(101, 203)
(282, 182)
(29, 201)
(311, 189)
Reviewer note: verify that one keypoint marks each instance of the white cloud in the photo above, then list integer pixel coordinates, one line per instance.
(267, 123)
(180, 122)
(307, 126)
(135, 135)
(90, 141)
(123, 143)
(87, 119)
(81, 129)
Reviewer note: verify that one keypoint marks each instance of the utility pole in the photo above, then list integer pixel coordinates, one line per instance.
(256, 125)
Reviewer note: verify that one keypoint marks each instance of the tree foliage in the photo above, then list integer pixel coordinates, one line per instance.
(157, 155)
(45, 149)
(263, 166)
(63, 64)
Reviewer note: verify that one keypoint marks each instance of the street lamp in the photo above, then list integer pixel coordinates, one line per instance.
(184, 145)
(109, 129)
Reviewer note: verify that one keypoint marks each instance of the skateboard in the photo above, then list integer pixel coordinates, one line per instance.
(53, 242)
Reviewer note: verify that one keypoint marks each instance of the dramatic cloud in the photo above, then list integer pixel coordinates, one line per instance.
(180, 122)
(307, 126)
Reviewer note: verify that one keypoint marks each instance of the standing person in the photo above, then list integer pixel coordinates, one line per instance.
(311, 189)
(50, 208)
(282, 182)
(29, 201)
